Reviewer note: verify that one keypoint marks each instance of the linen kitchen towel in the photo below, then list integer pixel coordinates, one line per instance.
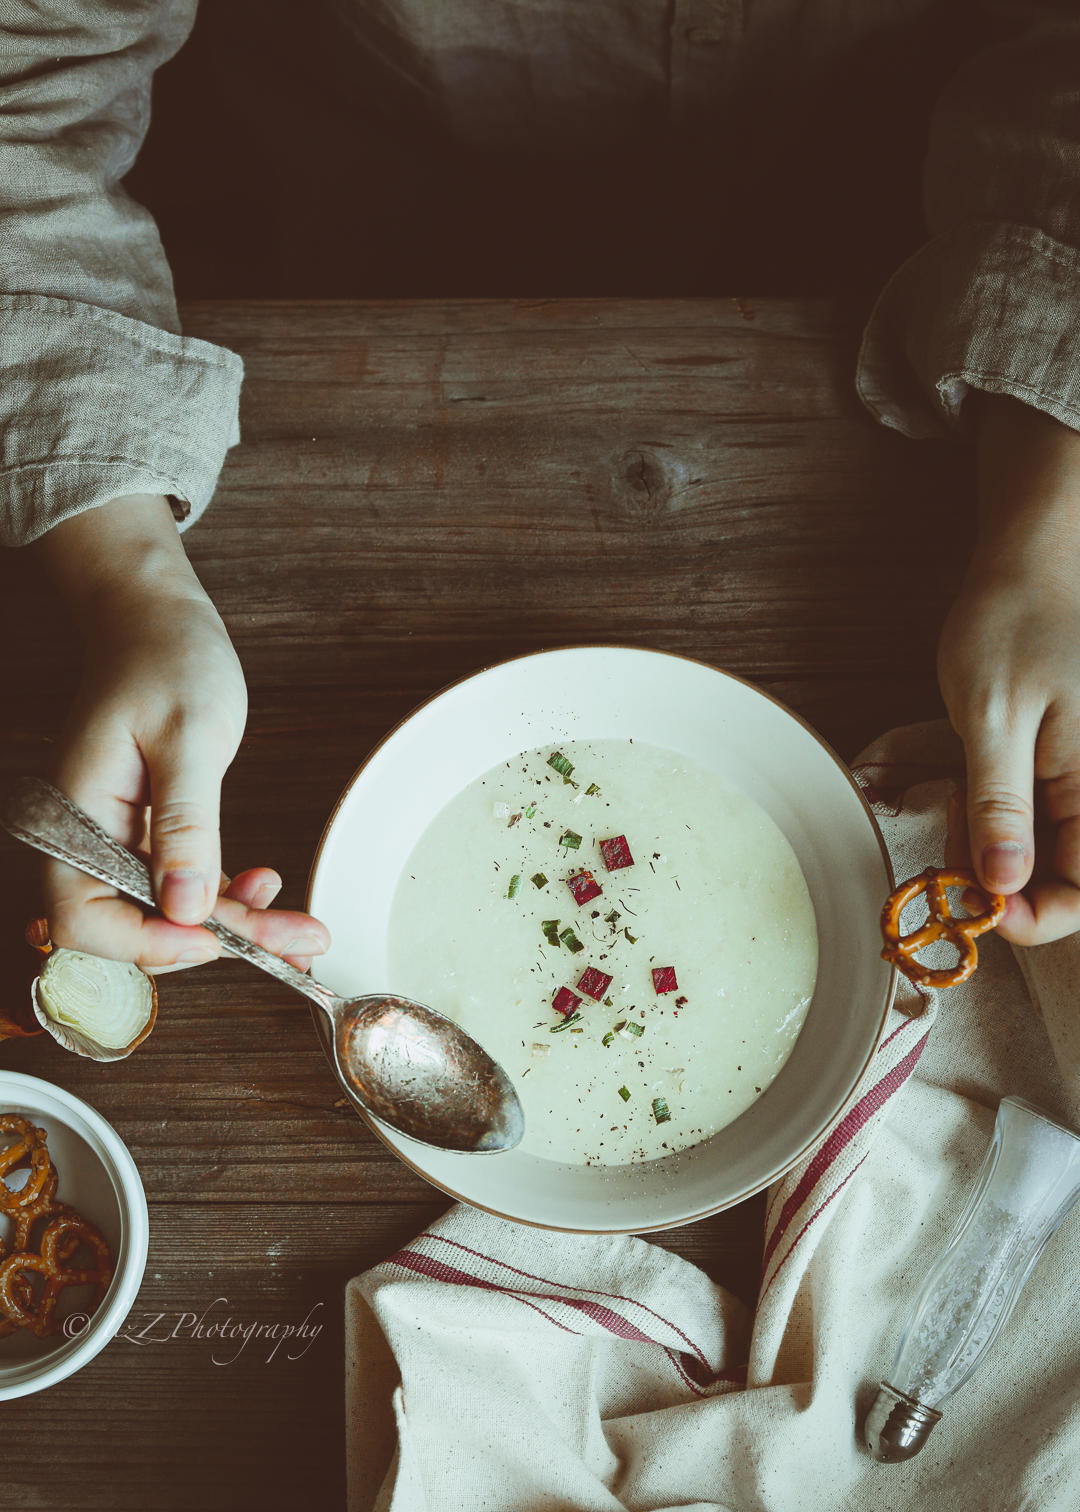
(497, 1367)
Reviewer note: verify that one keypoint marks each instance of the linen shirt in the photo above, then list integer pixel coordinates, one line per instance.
(103, 396)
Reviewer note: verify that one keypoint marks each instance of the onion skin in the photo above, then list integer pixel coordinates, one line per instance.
(18, 1023)
(78, 1041)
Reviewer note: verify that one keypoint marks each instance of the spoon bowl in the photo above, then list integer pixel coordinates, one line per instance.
(404, 1063)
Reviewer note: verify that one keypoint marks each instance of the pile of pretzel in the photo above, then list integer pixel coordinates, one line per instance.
(61, 1234)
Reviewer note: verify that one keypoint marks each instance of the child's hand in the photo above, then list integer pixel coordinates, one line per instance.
(1009, 667)
(1009, 664)
(156, 723)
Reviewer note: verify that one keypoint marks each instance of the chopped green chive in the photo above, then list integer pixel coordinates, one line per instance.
(515, 885)
(591, 790)
(608, 1038)
(538, 879)
(630, 937)
(550, 928)
(608, 1003)
(571, 941)
(571, 840)
(624, 1093)
(637, 1030)
(660, 1110)
(558, 1028)
(530, 811)
(613, 917)
(560, 763)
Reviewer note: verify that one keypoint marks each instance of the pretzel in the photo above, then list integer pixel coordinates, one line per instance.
(64, 1233)
(16, 1300)
(24, 1223)
(942, 924)
(29, 1147)
(45, 1207)
(14, 1123)
(24, 1293)
(29, 1139)
(23, 1208)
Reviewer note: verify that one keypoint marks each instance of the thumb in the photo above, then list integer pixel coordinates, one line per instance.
(1000, 812)
(185, 844)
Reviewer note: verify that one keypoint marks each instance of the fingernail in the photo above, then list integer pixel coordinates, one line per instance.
(183, 896)
(197, 955)
(302, 963)
(1003, 865)
(304, 945)
(266, 894)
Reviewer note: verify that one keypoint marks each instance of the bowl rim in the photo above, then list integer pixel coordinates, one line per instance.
(373, 1123)
(132, 1250)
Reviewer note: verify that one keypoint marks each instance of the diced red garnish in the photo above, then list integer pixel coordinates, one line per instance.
(616, 853)
(584, 887)
(663, 979)
(565, 1001)
(594, 983)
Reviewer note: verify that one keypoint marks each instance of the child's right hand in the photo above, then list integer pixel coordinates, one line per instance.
(156, 723)
(1009, 667)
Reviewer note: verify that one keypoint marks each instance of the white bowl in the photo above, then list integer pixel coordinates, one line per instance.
(604, 692)
(97, 1176)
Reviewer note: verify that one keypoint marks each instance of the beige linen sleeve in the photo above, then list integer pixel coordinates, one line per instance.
(100, 394)
(992, 301)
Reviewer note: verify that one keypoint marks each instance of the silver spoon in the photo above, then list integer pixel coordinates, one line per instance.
(405, 1064)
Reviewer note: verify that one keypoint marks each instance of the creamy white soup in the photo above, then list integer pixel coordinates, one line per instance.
(629, 935)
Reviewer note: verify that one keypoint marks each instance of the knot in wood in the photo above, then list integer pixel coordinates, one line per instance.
(642, 482)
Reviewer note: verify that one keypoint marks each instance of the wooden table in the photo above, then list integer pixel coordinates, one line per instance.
(423, 489)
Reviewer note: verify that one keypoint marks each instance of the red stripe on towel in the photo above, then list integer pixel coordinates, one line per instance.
(777, 1190)
(679, 1362)
(546, 1281)
(614, 1322)
(899, 1030)
(435, 1270)
(425, 1265)
(840, 1138)
(813, 1216)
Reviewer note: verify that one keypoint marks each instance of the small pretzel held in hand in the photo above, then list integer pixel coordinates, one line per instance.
(942, 924)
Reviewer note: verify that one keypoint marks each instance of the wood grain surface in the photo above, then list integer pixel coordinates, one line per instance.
(424, 488)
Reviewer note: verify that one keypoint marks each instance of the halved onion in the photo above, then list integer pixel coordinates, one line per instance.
(97, 1008)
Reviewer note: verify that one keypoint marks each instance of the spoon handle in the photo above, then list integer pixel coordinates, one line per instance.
(40, 815)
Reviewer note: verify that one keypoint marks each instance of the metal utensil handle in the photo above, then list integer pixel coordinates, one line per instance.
(43, 817)
(40, 815)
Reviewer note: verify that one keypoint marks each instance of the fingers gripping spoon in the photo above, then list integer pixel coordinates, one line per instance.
(403, 1063)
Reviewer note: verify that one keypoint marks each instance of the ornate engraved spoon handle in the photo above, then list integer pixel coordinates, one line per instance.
(43, 817)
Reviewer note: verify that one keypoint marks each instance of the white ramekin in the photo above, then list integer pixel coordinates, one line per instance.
(99, 1178)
